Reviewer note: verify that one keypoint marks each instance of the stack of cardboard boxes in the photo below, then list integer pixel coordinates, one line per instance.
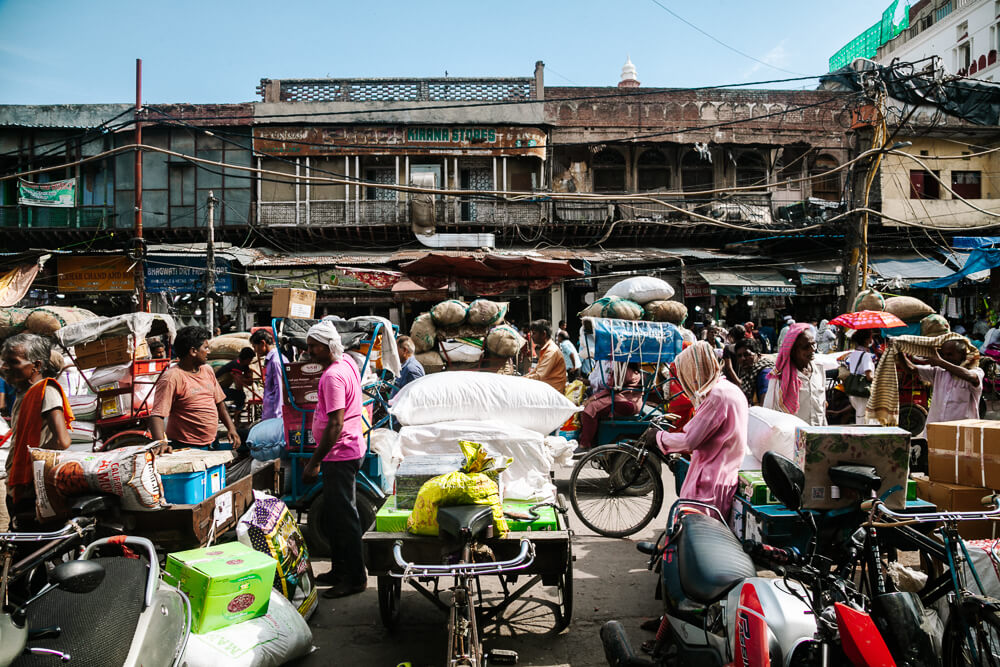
(963, 466)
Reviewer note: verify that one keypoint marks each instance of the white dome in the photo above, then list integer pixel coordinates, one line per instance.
(628, 71)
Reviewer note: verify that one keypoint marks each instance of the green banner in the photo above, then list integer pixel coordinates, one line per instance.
(59, 194)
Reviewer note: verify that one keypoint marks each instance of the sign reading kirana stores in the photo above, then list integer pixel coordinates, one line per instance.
(400, 140)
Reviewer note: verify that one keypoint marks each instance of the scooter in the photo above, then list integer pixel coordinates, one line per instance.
(106, 610)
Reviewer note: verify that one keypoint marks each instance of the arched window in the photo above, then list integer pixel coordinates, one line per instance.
(825, 187)
(696, 172)
(654, 173)
(751, 170)
(609, 171)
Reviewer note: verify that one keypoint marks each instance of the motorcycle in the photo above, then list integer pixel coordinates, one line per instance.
(717, 611)
(98, 609)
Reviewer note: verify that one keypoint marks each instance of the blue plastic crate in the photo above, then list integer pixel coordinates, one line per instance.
(190, 488)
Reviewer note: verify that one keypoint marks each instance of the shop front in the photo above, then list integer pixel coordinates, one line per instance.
(102, 284)
(175, 285)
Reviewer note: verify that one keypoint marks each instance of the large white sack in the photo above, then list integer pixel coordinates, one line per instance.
(384, 443)
(460, 351)
(279, 636)
(509, 400)
(770, 430)
(642, 289)
(527, 477)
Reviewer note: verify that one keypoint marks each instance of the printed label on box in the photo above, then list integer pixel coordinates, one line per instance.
(300, 310)
(223, 508)
(819, 493)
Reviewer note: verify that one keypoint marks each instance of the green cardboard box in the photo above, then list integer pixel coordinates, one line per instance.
(226, 583)
(392, 519)
(750, 485)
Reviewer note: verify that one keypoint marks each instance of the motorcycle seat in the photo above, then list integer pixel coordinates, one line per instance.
(710, 559)
(465, 521)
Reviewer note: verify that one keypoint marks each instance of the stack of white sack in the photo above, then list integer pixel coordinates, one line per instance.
(769, 430)
(510, 416)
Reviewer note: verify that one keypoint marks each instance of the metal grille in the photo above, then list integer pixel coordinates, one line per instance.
(402, 90)
(325, 213)
(277, 213)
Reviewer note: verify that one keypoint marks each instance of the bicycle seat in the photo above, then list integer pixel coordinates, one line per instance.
(92, 504)
(465, 521)
(861, 478)
(710, 560)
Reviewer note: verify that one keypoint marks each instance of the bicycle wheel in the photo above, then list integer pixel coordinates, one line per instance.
(975, 639)
(613, 492)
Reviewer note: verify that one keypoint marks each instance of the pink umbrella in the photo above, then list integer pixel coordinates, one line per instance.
(868, 319)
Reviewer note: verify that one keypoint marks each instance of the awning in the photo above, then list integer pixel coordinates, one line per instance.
(748, 283)
(980, 259)
(959, 259)
(908, 268)
(827, 272)
(490, 266)
(411, 291)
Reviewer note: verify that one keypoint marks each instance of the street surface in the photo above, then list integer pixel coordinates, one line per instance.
(610, 579)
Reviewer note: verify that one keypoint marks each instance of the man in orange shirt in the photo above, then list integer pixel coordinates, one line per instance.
(551, 367)
(189, 398)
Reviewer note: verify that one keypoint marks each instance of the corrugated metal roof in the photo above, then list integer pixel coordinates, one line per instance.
(59, 115)
(908, 267)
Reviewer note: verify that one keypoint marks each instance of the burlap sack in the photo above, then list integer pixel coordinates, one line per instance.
(933, 326)
(908, 308)
(424, 333)
(869, 300)
(226, 347)
(674, 312)
(614, 307)
(46, 320)
(483, 312)
(432, 361)
(449, 313)
(504, 341)
(12, 320)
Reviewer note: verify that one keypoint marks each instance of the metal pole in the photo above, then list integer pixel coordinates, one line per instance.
(140, 265)
(210, 266)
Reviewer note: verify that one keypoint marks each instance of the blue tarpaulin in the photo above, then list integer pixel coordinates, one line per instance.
(975, 241)
(639, 341)
(980, 259)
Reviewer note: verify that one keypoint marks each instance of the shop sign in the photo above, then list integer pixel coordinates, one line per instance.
(768, 290)
(186, 275)
(695, 286)
(96, 273)
(401, 140)
(57, 194)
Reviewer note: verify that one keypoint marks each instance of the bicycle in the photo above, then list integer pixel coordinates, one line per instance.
(972, 629)
(462, 527)
(617, 489)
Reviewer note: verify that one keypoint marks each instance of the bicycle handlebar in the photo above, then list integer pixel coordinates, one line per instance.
(524, 558)
(880, 507)
(72, 526)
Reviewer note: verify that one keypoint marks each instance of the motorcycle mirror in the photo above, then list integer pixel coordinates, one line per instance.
(77, 576)
(785, 479)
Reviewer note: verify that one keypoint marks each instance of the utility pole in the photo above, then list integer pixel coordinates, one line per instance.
(138, 243)
(210, 268)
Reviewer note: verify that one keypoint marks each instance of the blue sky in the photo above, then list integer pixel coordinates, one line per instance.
(64, 51)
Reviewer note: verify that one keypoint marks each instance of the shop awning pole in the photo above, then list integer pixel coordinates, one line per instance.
(210, 266)
(139, 245)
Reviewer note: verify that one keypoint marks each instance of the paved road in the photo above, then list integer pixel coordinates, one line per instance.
(611, 581)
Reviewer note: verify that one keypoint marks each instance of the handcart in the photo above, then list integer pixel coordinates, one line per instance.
(544, 556)
(367, 337)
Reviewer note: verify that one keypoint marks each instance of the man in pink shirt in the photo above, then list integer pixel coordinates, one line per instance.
(340, 450)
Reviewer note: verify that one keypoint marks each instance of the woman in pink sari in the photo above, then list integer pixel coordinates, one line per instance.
(717, 434)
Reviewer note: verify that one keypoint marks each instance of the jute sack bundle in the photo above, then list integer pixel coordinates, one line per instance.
(674, 312)
(46, 320)
(614, 307)
(504, 341)
(483, 312)
(908, 308)
(12, 320)
(245, 335)
(869, 300)
(226, 347)
(432, 361)
(934, 325)
(462, 331)
(449, 313)
(424, 333)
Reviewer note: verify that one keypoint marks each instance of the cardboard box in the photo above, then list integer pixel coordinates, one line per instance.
(751, 486)
(293, 303)
(303, 382)
(227, 584)
(415, 470)
(818, 448)
(103, 352)
(113, 405)
(965, 452)
(959, 498)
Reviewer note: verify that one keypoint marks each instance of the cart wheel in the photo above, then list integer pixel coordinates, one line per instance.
(314, 529)
(612, 493)
(127, 439)
(389, 594)
(565, 590)
(912, 418)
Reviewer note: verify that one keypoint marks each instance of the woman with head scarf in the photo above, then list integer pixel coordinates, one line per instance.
(826, 337)
(798, 382)
(340, 450)
(716, 436)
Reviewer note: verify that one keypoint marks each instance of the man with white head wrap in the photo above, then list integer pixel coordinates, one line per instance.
(340, 450)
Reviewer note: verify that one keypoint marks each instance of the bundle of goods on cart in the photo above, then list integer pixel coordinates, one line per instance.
(456, 334)
(638, 298)
(918, 318)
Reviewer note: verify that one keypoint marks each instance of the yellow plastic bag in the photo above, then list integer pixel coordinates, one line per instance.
(574, 391)
(474, 484)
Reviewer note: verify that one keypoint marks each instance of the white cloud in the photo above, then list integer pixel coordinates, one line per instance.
(777, 56)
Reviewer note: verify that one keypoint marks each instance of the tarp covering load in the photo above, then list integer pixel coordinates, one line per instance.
(636, 341)
(980, 259)
(974, 102)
